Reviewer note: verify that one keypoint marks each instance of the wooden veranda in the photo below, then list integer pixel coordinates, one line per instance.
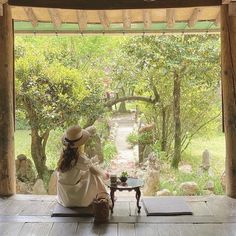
(30, 215)
(25, 215)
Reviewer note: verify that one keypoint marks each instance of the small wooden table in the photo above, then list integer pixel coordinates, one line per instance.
(131, 184)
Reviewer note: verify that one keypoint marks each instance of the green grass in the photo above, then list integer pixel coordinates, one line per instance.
(216, 147)
(171, 179)
(22, 143)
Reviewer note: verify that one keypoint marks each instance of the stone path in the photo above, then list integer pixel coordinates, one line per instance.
(126, 157)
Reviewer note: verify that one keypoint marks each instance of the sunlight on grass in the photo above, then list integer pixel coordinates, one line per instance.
(216, 147)
(22, 143)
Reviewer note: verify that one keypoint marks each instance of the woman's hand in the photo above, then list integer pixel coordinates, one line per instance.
(107, 175)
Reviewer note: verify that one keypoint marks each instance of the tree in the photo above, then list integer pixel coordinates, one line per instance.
(53, 96)
(170, 66)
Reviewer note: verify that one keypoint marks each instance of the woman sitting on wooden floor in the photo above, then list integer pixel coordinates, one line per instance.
(79, 180)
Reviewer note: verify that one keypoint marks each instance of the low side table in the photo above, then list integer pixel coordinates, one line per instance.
(131, 184)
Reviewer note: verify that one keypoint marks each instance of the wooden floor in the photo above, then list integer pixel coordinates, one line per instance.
(30, 215)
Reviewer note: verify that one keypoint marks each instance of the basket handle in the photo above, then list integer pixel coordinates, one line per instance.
(98, 198)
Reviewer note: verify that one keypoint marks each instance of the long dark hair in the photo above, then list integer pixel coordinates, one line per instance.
(68, 159)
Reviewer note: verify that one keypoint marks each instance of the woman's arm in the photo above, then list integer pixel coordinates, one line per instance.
(97, 171)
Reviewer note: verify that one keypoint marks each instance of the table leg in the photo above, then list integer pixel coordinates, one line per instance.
(138, 195)
(112, 195)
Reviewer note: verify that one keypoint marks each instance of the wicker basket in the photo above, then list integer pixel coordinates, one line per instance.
(101, 207)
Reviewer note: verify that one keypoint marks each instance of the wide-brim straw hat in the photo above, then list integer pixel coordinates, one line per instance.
(75, 136)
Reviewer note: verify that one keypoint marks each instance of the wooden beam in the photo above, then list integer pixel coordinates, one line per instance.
(194, 17)
(104, 19)
(228, 62)
(126, 19)
(114, 4)
(218, 19)
(170, 17)
(232, 9)
(1, 6)
(147, 18)
(7, 156)
(226, 1)
(82, 19)
(31, 16)
(55, 17)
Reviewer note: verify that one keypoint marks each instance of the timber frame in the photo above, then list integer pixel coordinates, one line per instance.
(228, 45)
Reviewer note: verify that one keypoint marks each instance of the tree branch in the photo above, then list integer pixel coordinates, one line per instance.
(200, 127)
(131, 98)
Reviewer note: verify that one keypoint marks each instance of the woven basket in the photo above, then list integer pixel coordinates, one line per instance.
(101, 207)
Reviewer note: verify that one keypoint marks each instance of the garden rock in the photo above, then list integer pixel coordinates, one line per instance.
(24, 169)
(52, 186)
(210, 185)
(207, 192)
(164, 192)
(22, 187)
(39, 188)
(187, 169)
(189, 188)
(152, 182)
(206, 160)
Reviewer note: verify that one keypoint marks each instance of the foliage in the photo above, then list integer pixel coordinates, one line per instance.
(133, 138)
(109, 151)
(154, 62)
(124, 174)
(52, 93)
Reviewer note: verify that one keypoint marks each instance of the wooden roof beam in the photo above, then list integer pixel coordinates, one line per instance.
(170, 17)
(55, 17)
(147, 18)
(114, 4)
(126, 19)
(31, 16)
(226, 1)
(1, 6)
(82, 19)
(104, 19)
(194, 17)
(218, 19)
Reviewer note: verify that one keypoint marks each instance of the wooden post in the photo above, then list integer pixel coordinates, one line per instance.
(7, 159)
(228, 60)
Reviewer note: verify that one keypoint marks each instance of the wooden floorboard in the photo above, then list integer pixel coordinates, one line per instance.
(31, 215)
(200, 209)
(35, 229)
(142, 229)
(126, 229)
(88, 229)
(10, 229)
(63, 229)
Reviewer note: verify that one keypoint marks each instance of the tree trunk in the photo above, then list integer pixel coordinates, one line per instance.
(38, 145)
(163, 130)
(177, 123)
(7, 156)
(122, 107)
(228, 54)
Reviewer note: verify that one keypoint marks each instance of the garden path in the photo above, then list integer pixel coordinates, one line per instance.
(126, 156)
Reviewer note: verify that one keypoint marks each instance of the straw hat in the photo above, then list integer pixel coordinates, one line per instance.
(76, 136)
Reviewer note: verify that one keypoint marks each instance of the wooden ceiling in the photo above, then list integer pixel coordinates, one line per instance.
(86, 16)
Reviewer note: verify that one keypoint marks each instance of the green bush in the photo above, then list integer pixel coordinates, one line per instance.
(109, 151)
(132, 138)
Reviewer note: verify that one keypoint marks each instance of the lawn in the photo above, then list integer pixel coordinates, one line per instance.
(171, 179)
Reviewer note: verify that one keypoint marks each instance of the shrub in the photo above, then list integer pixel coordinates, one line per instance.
(109, 151)
(132, 138)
